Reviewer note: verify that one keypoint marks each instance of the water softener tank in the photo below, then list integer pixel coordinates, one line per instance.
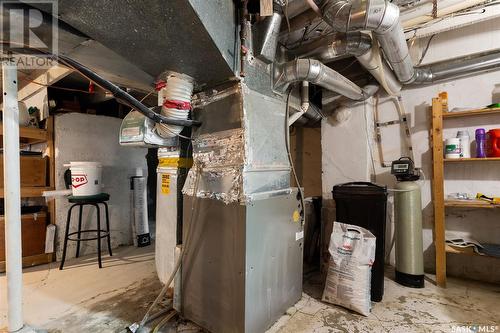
(408, 233)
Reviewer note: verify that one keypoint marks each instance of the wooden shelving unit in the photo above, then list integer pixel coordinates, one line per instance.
(439, 201)
(470, 204)
(471, 159)
(30, 136)
(469, 113)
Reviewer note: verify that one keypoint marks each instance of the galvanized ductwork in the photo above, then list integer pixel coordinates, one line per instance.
(314, 71)
(334, 47)
(458, 67)
(382, 18)
(359, 45)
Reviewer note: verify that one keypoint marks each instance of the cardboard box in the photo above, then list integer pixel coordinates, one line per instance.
(33, 171)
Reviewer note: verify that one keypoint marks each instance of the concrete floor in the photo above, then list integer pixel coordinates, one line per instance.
(82, 298)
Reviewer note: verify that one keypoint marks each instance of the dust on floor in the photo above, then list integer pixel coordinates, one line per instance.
(82, 298)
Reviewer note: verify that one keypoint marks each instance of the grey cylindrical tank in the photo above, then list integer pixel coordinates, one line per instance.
(408, 233)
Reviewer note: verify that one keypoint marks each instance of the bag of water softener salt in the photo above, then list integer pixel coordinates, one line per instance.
(352, 251)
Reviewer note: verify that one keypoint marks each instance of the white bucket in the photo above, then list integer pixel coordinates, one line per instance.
(86, 178)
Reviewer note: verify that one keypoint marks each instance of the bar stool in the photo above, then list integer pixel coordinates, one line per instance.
(81, 201)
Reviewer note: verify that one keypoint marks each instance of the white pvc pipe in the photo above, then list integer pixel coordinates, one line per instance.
(12, 193)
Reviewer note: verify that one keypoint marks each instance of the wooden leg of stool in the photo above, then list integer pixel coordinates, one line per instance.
(98, 235)
(66, 232)
(107, 229)
(79, 231)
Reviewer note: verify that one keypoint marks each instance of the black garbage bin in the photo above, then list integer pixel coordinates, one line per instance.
(365, 204)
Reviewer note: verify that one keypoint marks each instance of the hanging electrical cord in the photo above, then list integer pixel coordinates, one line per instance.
(120, 94)
(290, 159)
(424, 53)
(183, 251)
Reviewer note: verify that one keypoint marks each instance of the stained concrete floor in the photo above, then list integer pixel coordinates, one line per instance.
(82, 298)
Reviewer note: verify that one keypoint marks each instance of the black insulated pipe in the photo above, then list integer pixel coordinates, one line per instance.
(122, 96)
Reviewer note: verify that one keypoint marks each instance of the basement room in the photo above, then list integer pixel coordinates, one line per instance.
(250, 166)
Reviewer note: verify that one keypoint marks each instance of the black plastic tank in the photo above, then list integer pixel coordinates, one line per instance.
(365, 204)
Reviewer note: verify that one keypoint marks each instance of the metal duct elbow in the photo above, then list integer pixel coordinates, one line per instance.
(379, 16)
(314, 71)
(333, 47)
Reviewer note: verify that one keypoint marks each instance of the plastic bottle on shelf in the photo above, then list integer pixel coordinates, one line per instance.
(464, 143)
(480, 143)
(452, 148)
(444, 100)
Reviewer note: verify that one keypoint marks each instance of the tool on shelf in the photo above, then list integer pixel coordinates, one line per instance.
(493, 200)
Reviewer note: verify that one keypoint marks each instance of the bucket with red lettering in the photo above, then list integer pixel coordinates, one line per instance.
(86, 178)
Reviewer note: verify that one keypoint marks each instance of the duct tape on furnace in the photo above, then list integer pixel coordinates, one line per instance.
(139, 210)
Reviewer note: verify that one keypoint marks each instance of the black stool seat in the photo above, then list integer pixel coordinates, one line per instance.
(89, 199)
(80, 201)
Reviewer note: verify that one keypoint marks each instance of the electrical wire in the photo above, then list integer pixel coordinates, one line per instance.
(290, 159)
(164, 321)
(117, 92)
(424, 53)
(314, 7)
(158, 117)
(285, 11)
(181, 255)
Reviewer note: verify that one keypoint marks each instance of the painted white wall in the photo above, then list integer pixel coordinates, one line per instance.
(83, 137)
(346, 155)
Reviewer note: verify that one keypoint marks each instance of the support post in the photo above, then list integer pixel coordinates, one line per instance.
(12, 193)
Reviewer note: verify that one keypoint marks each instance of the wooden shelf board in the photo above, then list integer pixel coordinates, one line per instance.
(468, 113)
(469, 204)
(472, 159)
(38, 259)
(450, 249)
(26, 192)
(30, 135)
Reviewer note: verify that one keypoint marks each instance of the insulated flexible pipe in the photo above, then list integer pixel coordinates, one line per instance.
(174, 96)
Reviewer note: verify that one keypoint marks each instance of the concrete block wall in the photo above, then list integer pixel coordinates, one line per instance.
(350, 153)
(84, 137)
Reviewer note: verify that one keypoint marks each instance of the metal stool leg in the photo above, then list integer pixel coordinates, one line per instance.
(79, 231)
(107, 229)
(98, 235)
(68, 220)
